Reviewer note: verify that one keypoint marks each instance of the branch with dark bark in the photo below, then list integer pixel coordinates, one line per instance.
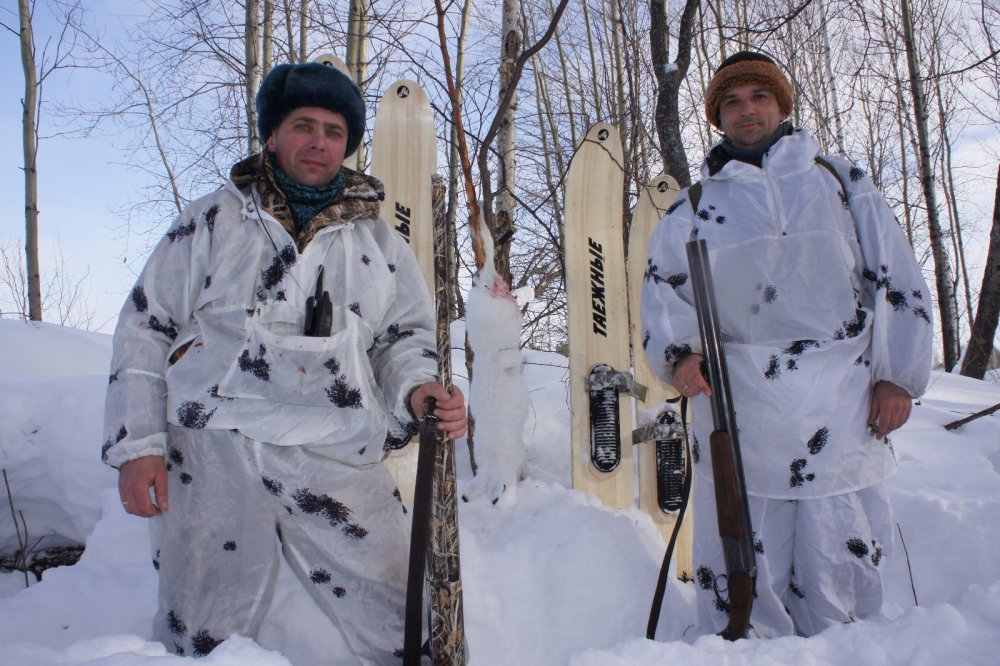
(984, 328)
(954, 425)
(774, 25)
(668, 84)
(472, 201)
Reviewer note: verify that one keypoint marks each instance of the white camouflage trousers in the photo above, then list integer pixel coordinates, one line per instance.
(819, 561)
(236, 506)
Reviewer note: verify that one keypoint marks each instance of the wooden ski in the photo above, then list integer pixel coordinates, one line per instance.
(334, 61)
(654, 499)
(404, 158)
(597, 303)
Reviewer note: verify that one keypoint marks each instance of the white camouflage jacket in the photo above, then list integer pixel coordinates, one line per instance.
(819, 298)
(212, 334)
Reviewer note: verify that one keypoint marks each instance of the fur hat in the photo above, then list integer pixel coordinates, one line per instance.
(289, 87)
(742, 68)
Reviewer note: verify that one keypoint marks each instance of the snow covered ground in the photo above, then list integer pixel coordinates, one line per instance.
(550, 576)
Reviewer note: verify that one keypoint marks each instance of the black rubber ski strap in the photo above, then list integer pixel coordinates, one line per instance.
(661, 582)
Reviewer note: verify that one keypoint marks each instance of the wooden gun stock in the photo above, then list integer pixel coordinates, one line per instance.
(736, 535)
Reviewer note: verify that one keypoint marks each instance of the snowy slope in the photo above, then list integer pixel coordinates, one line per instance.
(550, 576)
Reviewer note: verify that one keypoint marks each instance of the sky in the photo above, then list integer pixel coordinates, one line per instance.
(550, 576)
(84, 183)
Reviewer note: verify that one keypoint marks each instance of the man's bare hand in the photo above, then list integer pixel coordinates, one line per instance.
(890, 408)
(449, 409)
(135, 478)
(688, 379)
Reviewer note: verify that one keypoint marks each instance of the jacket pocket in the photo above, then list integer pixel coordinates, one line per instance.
(331, 371)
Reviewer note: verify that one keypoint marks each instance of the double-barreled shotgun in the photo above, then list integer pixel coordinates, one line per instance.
(727, 466)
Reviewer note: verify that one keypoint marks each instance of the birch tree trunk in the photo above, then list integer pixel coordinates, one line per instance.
(565, 85)
(719, 10)
(290, 32)
(30, 145)
(904, 164)
(551, 153)
(618, 78)
(303, 31)
(253, 40)
(904, 127)
(939, 250)
(592, 50)
(268, 39)
(454, 163)
(951, 197)
(707, 134)
(831, 81)
(356, 55)
(506, 136)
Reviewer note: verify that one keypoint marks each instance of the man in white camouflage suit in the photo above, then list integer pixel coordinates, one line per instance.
(826, 323)
(264, 405)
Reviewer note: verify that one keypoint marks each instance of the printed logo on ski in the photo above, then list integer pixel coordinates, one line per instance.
(403, 227)
(599, 312)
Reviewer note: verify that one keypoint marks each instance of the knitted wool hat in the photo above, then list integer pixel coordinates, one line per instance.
(289, 87)
(743, 68)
